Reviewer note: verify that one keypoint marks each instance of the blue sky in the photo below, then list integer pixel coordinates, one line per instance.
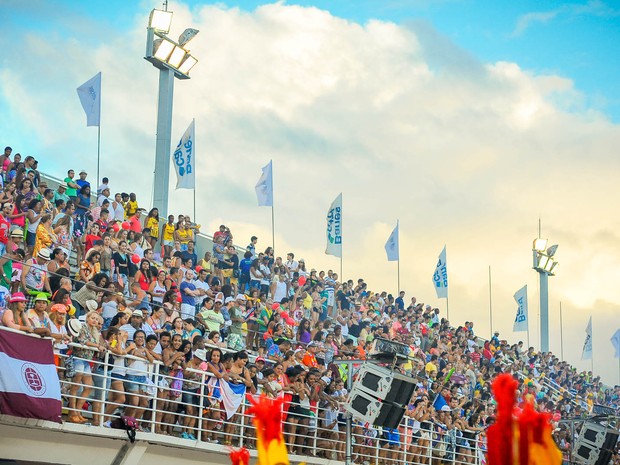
(577, 40)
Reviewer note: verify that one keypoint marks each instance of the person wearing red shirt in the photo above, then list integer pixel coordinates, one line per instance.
(91, 237)
(475, 355)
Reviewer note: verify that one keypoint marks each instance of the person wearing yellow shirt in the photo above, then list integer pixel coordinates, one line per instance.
(183, 235)
(151, 222)
(167, 236)
(131, 207)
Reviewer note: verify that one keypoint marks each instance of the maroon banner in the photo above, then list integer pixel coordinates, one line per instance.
(29, 385)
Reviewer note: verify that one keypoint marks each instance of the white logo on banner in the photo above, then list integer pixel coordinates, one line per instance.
(334, 228)
(520, 297)
(184, 160)
(440, 277)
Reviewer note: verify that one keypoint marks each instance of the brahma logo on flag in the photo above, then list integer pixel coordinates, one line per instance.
(29, 385)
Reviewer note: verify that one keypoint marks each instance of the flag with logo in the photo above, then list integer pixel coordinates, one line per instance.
(184, 159)
(264, 187)
(90, 98)
(29, 385)
(520, 297)
(586, 353)
(440, 277)
(615, 340)
(334, 228)
(391, 246)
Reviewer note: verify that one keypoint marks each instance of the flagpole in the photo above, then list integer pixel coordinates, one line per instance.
(398, 261)
(195, 219)
(273, 230)
(561, 335)
(490, 303)
(592, 351)
(341, 248)
(98, 150)
(447, 305)
(273, 217)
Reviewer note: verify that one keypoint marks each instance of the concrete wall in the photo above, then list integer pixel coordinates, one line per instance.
(29, 440)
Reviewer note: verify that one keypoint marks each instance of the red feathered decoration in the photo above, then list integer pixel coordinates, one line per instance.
(240, 456)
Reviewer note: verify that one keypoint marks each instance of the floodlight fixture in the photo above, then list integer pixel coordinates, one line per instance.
(540, 244)
(188, 64)
(160, 21)
(162, 49)
(552, 250)
(187, 35)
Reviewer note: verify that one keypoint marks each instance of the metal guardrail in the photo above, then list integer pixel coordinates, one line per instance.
(164, 408)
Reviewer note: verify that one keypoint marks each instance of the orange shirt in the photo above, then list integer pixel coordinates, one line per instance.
(309, 360)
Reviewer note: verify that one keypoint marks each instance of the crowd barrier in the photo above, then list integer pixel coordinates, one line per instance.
(164, 408)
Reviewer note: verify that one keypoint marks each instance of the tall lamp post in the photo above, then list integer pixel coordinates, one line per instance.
(173, 61)
(546, 266)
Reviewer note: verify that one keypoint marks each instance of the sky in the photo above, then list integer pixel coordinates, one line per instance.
(466, 121)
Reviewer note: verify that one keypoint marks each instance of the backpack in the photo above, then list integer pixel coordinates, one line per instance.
(129, 424)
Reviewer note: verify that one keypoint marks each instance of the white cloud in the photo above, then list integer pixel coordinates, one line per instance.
(401, 120)
(526, 20)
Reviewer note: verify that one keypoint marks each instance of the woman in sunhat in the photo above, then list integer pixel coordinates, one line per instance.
(15, 317)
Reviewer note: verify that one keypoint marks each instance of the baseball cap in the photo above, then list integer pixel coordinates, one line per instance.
(445, 408)
(219, 300)
(83, 172)
(259, 359)
(63, 185)
(137, 313)
(326, 379)
(240, 297)
(228, 300)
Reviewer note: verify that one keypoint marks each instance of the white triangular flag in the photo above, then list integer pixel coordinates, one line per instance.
(391, 246)
(586, 354)
(334, 228)
(184, 159)
(264, 187)
(440, 277)
(90, 98)
(520, 297)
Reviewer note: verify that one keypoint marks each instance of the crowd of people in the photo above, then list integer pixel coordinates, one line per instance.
(82, 266)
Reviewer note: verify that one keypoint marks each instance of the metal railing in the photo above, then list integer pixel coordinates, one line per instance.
(193, 411)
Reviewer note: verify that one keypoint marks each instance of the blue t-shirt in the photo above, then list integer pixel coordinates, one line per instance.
(245, 265)
(185, 297)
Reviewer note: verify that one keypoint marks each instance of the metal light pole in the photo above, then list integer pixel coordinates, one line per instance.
(546, 266)
(173, 61)
(163, 141)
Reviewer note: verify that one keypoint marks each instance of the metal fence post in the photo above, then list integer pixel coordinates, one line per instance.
(201, 406)
(102, 395)
(156, 382)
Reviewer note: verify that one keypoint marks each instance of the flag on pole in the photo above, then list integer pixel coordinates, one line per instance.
(334, 228)
(29, 385)
(90, 98)
(264, 187)
(440, 277)
(615, 340)
(184, 159)
(586, 354)
(521, 322)
(392, 246)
